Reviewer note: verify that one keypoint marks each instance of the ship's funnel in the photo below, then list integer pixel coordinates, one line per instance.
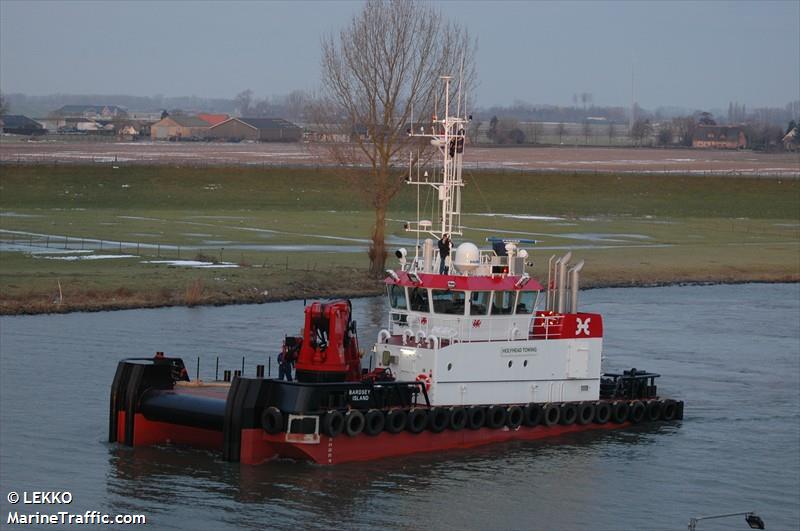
(574, 274)
(562, 282)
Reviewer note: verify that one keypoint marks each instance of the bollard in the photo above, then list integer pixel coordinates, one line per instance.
(238, 373)
(226, 375)
(259, 371)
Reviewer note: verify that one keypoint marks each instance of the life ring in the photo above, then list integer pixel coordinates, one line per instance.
(425, 379)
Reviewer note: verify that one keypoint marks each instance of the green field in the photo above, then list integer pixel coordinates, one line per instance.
(302, 232)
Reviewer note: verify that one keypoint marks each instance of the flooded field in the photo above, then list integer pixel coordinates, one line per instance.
(557, 159)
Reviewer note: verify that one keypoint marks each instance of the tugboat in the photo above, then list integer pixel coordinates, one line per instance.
(475, 351)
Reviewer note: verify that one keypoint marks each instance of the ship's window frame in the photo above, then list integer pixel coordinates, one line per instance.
(486, 305)
(445, 301)
(424, 298)
(534, 296)
(508, 309)
(395, 289)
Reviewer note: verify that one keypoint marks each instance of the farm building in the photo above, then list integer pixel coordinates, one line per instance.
(90, 111)
(16, 124)
(260, 129)
(719, 136)
(178, 127)
(212, 119)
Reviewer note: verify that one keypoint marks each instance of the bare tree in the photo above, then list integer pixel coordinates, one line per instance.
(561, 129)
(3, 106)
(665, 134)
(642, 129)
(536, 131)
(611, 132)
(243, 101)
(587, 130)
(384, 63)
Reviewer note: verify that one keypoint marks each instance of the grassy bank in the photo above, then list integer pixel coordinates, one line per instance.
(289, 233)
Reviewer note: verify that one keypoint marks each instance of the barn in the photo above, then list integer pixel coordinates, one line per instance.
(178, 127)
(257, 129)
(16, 124)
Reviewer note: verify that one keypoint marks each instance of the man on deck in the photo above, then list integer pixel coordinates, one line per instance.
(444, 252)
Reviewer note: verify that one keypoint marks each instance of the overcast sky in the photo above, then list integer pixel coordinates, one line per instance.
(691, 54)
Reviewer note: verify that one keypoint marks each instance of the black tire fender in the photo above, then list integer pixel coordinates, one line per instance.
(272, 420)
(514, 417)
(569, 414)
(458, 418)
(476, 417)
(374, 422)
(354, 422)
(585, 413)
(602, 412)
(332, 423)
(551, 414)
(532, 415)
(395, 420)
(417, 420)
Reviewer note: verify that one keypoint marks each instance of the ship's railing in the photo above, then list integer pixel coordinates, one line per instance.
(437, 330)
(547, 327)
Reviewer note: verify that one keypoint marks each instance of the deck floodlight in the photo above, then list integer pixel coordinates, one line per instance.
(391, 273)
(754, 521)
(522, 281)
(451, 284)
(414, 278)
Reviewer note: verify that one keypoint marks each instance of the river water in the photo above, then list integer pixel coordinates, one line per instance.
(731, 352)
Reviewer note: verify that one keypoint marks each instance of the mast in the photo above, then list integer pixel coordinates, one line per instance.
(447, 135)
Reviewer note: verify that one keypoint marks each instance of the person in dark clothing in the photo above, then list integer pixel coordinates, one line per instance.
(444, 252)
(286, 361)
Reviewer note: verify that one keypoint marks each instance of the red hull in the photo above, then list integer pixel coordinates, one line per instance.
(259, 446)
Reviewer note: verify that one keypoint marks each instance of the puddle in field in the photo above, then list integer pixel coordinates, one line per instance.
(193, 263)
(72, 258)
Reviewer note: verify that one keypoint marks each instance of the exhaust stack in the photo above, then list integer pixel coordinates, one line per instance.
(574, 275)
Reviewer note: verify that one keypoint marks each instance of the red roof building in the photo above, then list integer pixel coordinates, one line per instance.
(213, 119)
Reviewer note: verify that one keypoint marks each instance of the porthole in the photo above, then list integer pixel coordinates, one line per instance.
(510, 363)
(449, 366)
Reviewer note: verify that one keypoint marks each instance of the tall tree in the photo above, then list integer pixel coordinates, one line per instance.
(3, 106)
(385, 63)
(561, 128)
(243, 102)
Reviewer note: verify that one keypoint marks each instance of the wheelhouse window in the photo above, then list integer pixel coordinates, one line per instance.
(479, 302)
(526, 301)
(503, 302)
(449, 302)
(418, 299)
(397, 297)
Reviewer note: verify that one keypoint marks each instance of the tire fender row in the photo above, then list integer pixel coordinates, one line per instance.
(372, 422)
